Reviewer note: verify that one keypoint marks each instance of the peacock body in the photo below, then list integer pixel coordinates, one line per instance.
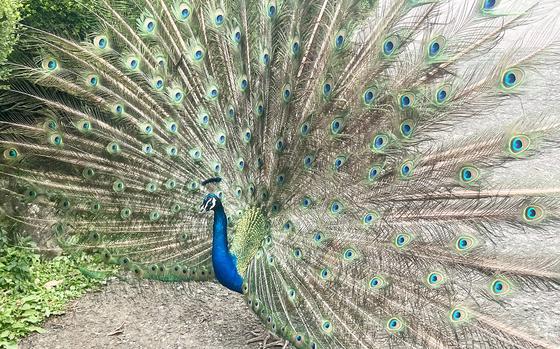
(319, 134)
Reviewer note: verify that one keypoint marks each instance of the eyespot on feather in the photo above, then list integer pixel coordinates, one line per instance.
(459, 315)
(406, 100)
(183, 12)
(50, 64)
(435, 47)
(377, 282)
(533, 214)
(500, 287)
(389, 46)
(464, 243)
(488, 5)
(407, 169)
(394, 325)
(442, 95)
(511, 78)
(402, 240)
(407, 128)
(468, 175)
(368, 96)
(149, 25)
(379, 143)
(435, 279)
(518, 145)
(101, 42)
(340, 40)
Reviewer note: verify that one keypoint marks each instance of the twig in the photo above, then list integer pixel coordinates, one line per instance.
(117, 330)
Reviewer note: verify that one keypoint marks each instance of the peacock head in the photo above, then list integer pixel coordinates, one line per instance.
(211, 202)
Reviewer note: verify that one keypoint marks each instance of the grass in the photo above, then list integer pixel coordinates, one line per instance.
(32, 288)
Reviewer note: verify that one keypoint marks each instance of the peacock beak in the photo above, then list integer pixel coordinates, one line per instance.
(202, 208)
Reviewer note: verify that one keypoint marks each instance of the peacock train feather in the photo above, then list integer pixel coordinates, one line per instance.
(347, 147)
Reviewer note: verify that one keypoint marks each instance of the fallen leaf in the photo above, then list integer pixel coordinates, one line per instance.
(53, 283)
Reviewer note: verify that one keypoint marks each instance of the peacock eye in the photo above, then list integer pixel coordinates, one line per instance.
(219, 19)
(373, 173)
(247, 136)
(370, 218)
(368, 96)
(271, 12)
(488, 5)
(50, 64)
(500, 287)
(402, 240)
(465, 243)
(92, 80)
(518, 145)
(198, 54)
(336, 207)
(338, 162)
(512, 78)
(306, 202)
(327, 327)
(101, 42)
(325, 273)
(377, 282)
(435, 279)
(231, 112)
(319, 237)
(407, 127)
(349, 254)
(327, 89)
(340, 40)
(132, 63)
(336, 126)
(308, 161)
(458, 315)
(295, 48)
(533, 213)
(394, 325)
(389, 47)
(435, 47)
(149, 25)
(260, 110)
(406, 100)
(183, 12)
(380, 142)
(304, 129)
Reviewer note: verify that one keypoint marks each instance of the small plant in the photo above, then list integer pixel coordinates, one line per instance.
(9, 19)
(32, 288)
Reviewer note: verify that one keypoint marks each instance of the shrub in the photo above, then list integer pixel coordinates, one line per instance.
(9, 19)
(69, 18)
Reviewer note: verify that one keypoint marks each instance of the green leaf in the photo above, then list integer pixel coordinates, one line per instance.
(8, 345)
(36, 329)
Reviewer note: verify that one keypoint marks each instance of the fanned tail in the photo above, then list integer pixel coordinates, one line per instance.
(383, 235)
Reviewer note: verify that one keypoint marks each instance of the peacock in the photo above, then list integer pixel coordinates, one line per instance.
(378, 171)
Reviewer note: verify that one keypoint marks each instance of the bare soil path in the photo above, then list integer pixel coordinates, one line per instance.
(151, 315)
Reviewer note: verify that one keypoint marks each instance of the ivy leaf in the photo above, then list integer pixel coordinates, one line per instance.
(36, 329)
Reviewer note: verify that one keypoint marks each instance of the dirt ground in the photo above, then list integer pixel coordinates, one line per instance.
(151, 315)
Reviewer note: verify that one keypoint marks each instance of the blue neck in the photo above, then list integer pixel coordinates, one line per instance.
(224, 265)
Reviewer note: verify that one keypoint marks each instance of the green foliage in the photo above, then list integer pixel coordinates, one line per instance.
(9, 19)
(69, 18)
(33, 288)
